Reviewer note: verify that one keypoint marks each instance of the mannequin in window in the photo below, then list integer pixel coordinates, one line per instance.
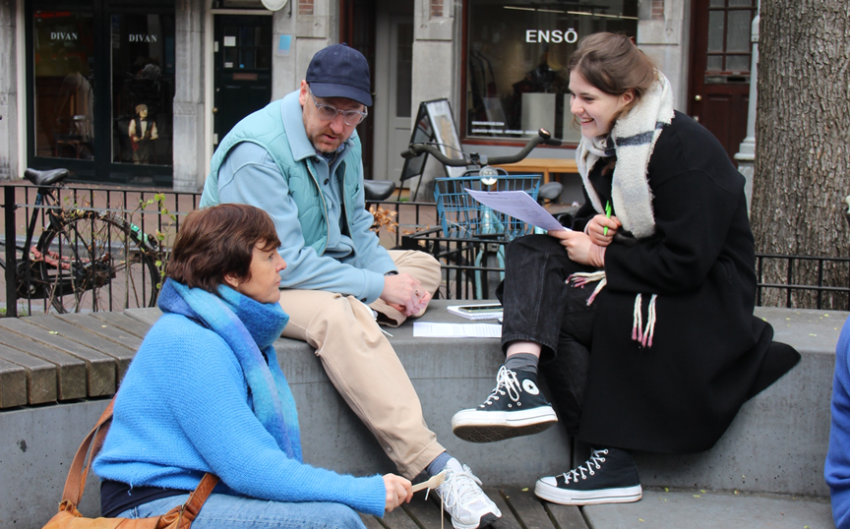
(142, 133)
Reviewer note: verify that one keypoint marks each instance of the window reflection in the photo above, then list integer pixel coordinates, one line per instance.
(516, 79)
(142, 88)
(64, 84)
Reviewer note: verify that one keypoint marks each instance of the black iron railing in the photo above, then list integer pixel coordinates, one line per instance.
(471, 267)
(155, 213)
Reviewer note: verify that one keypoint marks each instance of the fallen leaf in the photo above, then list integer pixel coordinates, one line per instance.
(701, 490)
(525, 489)
(53, 332)
(696, 495)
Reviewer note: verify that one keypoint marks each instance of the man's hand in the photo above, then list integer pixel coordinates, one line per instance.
(596, 229)
(580, 248)
(398, 491)
(405, 293)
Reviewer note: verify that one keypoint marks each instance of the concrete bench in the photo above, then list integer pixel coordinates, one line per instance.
(56, 373)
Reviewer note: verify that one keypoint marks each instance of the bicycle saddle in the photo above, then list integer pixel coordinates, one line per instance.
(378, 190)
(46, 178)
(550, 191)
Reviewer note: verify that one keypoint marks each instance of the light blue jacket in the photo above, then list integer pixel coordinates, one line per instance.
(318, 210)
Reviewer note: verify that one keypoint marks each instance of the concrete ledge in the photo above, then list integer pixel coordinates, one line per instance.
(777, 444)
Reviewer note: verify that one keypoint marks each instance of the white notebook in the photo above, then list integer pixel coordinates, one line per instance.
(480, 311)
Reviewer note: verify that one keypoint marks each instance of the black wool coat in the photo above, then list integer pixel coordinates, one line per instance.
(709, 353)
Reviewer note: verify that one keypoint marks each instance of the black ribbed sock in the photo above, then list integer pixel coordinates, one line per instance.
(522, 362)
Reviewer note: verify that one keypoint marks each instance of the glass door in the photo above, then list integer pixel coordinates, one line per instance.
(64, 77)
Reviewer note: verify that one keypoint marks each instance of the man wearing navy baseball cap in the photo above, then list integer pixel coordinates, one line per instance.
(299, 159)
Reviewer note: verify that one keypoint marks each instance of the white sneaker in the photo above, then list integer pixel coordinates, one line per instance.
(464, 500)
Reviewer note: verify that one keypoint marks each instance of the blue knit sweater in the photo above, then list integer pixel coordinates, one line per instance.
(184, 409)
(837, 467)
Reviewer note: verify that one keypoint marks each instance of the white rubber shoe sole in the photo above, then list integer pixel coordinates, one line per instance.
(487, 426)
(547, 489)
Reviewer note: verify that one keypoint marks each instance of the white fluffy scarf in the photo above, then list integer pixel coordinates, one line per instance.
(634, 136)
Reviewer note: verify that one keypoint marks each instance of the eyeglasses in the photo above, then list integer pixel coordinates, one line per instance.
(329, 113)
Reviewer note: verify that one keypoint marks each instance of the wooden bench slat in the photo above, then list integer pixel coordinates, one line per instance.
(104, 330)
(529, 508)
(371, 522)
(120, 353)
(13, 385)
(71, 371)
(101, 369)
(508, 520)
(398, 519)
(40, 374)
(123, 322)
(566, 516)
(148, 315)
(424, 513)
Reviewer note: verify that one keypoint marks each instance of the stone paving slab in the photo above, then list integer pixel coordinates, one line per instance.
(695, 509)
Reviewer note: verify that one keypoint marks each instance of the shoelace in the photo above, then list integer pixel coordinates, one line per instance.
(504, 379)
(459, 487)
(582, 471)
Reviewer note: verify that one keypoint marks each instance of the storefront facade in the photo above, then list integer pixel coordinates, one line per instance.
(124, 92)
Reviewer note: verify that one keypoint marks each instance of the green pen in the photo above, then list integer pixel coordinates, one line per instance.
(607, 215)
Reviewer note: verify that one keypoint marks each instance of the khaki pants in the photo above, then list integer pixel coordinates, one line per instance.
(362, 364)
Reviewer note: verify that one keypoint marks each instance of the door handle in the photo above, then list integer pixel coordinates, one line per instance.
(697, 98)
(215, 110)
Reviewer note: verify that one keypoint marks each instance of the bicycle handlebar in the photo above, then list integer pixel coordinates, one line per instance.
(543, 136)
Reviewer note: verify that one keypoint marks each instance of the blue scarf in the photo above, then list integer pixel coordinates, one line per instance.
(230, 315)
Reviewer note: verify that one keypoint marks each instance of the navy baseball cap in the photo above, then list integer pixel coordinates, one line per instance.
(340, 71)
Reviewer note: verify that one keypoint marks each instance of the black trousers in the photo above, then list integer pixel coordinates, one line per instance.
(540, 307)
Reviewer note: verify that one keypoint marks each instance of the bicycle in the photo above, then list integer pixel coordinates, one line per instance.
(85, 259)
(486, 230)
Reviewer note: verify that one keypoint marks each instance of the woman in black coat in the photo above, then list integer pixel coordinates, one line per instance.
(644, 326)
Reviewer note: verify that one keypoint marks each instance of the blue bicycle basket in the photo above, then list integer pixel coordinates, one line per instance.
(462, 217)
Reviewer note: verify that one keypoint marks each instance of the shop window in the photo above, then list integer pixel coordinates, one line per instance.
(63, 63)
(516, 77)
(142, 88)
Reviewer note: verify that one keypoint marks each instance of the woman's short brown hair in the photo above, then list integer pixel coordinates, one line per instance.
(219, 241)
(612, 63)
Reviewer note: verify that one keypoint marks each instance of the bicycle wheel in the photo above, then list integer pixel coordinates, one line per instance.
(90, 261)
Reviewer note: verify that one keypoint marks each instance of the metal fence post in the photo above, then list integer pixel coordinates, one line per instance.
(9, 207)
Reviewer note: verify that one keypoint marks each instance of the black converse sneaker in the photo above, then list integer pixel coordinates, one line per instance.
(609, 476)
(515, 407)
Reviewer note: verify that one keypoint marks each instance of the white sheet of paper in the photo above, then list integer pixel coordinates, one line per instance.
(424, 329)
(519, 205)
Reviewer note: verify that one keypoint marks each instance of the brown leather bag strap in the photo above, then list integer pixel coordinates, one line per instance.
(75, 484)
(199, 496)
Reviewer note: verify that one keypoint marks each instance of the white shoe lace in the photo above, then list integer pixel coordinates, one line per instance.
(460, 488)
(589, 467)
(506, 384)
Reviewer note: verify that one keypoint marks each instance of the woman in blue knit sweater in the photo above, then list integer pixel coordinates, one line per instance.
(205, 394)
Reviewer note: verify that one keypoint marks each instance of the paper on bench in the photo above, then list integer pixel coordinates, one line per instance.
(519, 205)
(424, 329)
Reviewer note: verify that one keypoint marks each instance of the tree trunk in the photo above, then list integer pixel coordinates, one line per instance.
(802, 152)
